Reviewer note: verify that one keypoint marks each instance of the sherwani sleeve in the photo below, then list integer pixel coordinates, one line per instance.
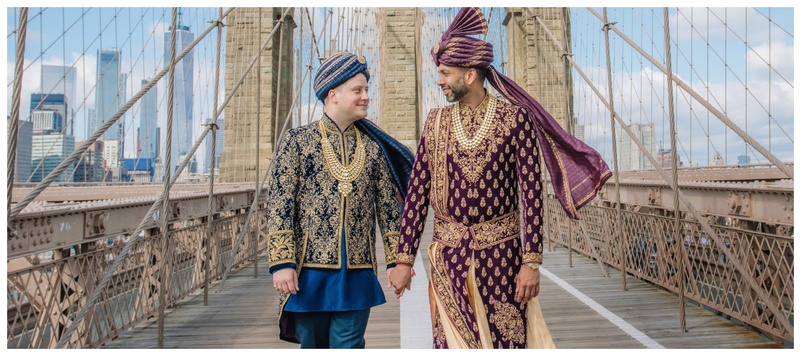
(388, 211)
(530, 188)
(283, 187)
(416, 204)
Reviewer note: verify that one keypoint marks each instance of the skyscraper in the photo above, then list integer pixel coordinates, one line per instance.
(631, 158)
(107, 96)
(22, 163)
(47, 152)
(218, 151)
(149, 135)
(110, 95)
(49, 107)
(182, 123)
(58, 79)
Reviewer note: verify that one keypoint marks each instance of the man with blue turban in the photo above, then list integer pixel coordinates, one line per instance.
(332, 180)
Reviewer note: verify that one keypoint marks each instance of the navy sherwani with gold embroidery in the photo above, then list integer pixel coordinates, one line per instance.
(311, 225)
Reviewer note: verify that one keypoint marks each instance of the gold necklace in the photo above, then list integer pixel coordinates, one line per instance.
(486, 125)
(345, 175)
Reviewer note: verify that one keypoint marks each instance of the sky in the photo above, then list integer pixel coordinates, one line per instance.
(710, 56)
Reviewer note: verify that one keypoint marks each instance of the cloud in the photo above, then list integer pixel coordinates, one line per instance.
(777, 55)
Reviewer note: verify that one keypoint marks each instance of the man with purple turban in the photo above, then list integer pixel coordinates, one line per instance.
(332, 180)
(478, 166)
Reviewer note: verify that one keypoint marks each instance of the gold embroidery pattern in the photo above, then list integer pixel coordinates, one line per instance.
(532, 257)
(448, 233)
(281, 247)
(405, 258)
(508, 320)
(485, 234)
(390, 246)
(304, 199)
(496, 231)
(439, 133)
(439, 340)
(442, 287)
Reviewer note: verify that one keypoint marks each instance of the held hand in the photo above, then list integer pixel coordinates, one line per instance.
(527, 284)
(400, 279)
(388, 279)
(285, 281)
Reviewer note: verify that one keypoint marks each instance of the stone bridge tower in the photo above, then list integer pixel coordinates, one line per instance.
(533, 61)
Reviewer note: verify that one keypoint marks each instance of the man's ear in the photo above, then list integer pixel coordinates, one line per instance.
(470, 76)
(332, 97)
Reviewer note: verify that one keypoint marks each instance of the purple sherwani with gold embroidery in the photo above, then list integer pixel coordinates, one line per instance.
(487, 205)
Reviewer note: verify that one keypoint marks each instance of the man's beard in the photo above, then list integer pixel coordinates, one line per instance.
(457, 90)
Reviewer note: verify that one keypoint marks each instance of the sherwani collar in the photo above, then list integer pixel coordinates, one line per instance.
(332, 127)
(480, 108)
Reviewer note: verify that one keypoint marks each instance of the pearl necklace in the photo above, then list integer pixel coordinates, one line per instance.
(486, 125)
(345, 175)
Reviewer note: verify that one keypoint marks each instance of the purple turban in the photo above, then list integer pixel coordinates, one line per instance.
(577, 170)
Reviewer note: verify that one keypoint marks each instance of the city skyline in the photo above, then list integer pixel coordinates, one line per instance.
(148, 55)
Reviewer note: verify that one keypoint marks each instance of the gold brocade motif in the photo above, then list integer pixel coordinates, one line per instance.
(444, 293)
(485, 234)
(305, 211)
(281, 246)
(508, 320)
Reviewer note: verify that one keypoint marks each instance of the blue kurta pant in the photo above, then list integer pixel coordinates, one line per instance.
(334, 305)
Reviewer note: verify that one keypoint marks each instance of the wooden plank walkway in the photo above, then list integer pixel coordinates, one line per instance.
(582, 308)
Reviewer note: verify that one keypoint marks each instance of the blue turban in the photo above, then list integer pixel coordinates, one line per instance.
(336, 70)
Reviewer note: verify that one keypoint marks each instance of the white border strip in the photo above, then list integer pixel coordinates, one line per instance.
(415, 311)
(619, 322)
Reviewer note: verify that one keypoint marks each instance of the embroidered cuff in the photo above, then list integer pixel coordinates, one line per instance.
(281, 248)
(532, 258)
(405, 259)
(390, 239)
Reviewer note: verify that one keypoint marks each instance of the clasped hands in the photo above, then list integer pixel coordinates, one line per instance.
(285, 280)
(399, 278)
(527, 282)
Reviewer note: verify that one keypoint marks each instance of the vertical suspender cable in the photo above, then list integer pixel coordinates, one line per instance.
(13, 130)
(677, 238)
(618, 231)
(164, 272)
(209, 234)
(258, 138)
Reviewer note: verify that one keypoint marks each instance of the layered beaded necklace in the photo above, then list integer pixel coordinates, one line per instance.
(345, 175)
(486, 125)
